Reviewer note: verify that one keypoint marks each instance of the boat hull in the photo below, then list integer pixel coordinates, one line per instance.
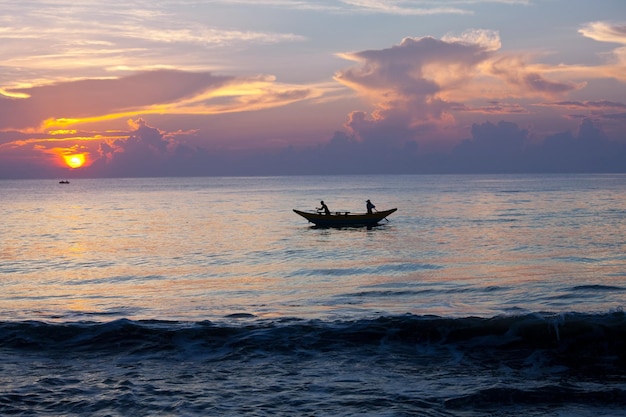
(339, 219)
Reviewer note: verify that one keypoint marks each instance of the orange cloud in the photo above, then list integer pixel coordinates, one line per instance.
(58, 106)
(66, 103)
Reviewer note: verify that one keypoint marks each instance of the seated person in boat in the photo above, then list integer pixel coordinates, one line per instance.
(324, 208)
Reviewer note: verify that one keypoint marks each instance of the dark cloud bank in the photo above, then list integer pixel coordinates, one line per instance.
(493, 148)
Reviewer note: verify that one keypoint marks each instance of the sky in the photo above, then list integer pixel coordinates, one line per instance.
(278, 87)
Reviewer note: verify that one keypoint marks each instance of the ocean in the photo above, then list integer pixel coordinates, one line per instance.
(483, 295)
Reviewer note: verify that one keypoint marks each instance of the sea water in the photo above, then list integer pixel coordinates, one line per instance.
(482, 295)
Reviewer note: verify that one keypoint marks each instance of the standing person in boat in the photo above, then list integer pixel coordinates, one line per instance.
(324, 208)
(369, 206)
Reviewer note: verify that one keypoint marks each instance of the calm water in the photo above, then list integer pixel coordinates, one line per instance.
(209, 296)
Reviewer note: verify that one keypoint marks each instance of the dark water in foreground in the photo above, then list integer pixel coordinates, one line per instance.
(188, 297)
(406, 365)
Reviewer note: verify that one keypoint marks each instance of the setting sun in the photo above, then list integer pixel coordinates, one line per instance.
(74, 161)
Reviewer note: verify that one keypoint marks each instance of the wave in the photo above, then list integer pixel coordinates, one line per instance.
(572, 364)
(547, 394)
(402, 268)
(591, 344)
(597, 287)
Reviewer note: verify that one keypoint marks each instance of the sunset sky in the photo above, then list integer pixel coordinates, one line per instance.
(265, 87)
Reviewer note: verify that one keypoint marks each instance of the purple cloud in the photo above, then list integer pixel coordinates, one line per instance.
(100, 97)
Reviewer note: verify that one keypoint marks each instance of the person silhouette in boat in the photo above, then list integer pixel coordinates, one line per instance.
(324, 207)
(369, 206)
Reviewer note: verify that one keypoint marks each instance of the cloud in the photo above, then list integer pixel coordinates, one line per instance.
(421, 83)
(394, 7)
(492, 148)
(605, 32)
(515, 72)
(502, 147)
(409, 70)
(47, 41)
(617, 116)
(99, 97)
(505, 147)
(122, 22)
(488, 39)
(589, 104)
(613, 33)
(147, 151)
(606, 110)
(587, 151)
(152, 92)
(403, 7)
(142, 151)
(421, 86)
(413, 73)
(494, 107)
(144, 142)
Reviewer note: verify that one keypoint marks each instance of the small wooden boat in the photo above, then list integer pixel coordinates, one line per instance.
(344, 218)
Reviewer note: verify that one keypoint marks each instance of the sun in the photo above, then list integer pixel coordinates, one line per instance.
(74, 161)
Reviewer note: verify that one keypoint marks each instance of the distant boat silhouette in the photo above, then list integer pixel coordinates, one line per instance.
(64, 182)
